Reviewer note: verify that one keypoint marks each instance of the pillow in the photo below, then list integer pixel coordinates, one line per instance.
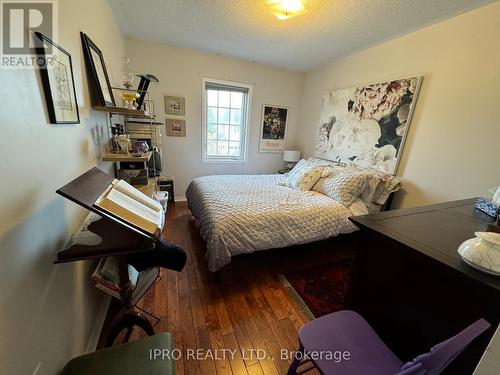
(344, 185)
(303, 176)
(305, 180)
(297, 168)
(374, 207)
(378, 186)
(321, 162)
(388, 185)
(372, 182)
(329, 165)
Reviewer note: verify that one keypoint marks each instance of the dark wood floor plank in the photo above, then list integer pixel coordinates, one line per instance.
(171, 233)
(272, 321)
(187, 327)
(279, 302)
(202, 337)
(238, 324)
(235, 356)
(291, 331)
(173, 317)
(274, 350)
(255, 369)
(241, 310)
(222, 362)
(206, 295)
(206, 363)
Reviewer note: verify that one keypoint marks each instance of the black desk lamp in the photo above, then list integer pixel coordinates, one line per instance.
(143, 87)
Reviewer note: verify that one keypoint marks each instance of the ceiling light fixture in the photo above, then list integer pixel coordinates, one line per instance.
(284, 9)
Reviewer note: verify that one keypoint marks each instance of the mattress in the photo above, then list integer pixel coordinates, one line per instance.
(240, 214)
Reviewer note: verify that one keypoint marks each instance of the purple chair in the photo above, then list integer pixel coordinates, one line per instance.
(343, 343)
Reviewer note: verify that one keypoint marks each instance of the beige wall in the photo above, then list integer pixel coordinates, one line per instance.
(48, 312)
(180, 72)
(452, 149)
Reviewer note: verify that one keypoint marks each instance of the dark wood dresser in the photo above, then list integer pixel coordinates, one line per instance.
(410, 283)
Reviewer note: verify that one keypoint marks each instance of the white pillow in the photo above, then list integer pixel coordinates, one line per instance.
(344, 185)
(330, 166)
(303, 176)
(378, 186)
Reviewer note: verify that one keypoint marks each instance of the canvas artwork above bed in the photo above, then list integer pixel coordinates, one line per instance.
(367, 124)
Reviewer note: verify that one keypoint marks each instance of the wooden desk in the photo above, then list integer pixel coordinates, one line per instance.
(410, 283)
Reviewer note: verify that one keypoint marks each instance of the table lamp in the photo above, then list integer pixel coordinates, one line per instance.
(291, 157)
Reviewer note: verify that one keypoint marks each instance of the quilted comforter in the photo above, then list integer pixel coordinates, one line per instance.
(241, 214)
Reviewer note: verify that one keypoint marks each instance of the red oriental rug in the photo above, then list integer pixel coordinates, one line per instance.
(320, 290)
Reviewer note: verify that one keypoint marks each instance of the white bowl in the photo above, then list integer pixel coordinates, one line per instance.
(482, 252)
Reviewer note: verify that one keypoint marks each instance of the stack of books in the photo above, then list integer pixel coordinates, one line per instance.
(106, 278)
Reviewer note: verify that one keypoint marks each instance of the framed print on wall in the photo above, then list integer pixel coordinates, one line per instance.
(58, 82)
(175, 105)
(273, 128)
(175, 127)
(367, 124)
(102, 94)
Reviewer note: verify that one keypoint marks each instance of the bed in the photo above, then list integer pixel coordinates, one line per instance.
(240, 214)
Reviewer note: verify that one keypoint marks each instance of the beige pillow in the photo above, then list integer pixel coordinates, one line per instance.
(304, 177)
(344, 185)
(378, 186)
(388, 185)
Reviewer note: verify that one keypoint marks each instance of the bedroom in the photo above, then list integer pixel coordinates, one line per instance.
(51, 313)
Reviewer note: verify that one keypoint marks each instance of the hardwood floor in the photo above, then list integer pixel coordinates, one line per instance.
(248, 312)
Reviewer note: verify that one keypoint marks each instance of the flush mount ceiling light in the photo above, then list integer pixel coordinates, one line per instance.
(284, 9)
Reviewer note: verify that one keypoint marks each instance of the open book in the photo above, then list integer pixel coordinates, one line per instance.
(131, 205)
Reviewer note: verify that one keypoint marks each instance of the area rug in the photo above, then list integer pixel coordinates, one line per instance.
(320, 290)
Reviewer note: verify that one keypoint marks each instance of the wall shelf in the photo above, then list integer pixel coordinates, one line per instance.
(123, 111)
(122, 157)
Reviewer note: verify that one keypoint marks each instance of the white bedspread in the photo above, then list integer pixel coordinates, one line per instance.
(245, 213)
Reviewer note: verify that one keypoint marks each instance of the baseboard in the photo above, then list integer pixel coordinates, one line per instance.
(99, 322)
(180, 199)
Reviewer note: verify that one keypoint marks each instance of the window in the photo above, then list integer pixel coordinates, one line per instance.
(225, 120)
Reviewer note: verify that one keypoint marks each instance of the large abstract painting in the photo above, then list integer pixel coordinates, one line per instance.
(367, 125)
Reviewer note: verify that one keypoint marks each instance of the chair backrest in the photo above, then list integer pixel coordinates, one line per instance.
(442, 354)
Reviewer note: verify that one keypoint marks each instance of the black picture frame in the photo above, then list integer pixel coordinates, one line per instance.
(64, 110)
(99, 85)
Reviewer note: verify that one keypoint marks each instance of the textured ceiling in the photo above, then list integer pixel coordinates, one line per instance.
(245, 29)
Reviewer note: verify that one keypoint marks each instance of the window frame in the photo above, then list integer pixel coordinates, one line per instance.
(245, 129)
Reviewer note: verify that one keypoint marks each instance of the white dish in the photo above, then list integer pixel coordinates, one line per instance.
(482, 252)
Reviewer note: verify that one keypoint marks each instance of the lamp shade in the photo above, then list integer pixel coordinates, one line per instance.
(291, 156)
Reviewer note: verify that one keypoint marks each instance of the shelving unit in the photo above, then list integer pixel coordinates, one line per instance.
(146, 128)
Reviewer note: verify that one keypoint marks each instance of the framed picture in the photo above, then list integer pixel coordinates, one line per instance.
(58, 82)
(367, 124)
(175, 105)
(97, 73)
(175, 127)
(273, 129)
